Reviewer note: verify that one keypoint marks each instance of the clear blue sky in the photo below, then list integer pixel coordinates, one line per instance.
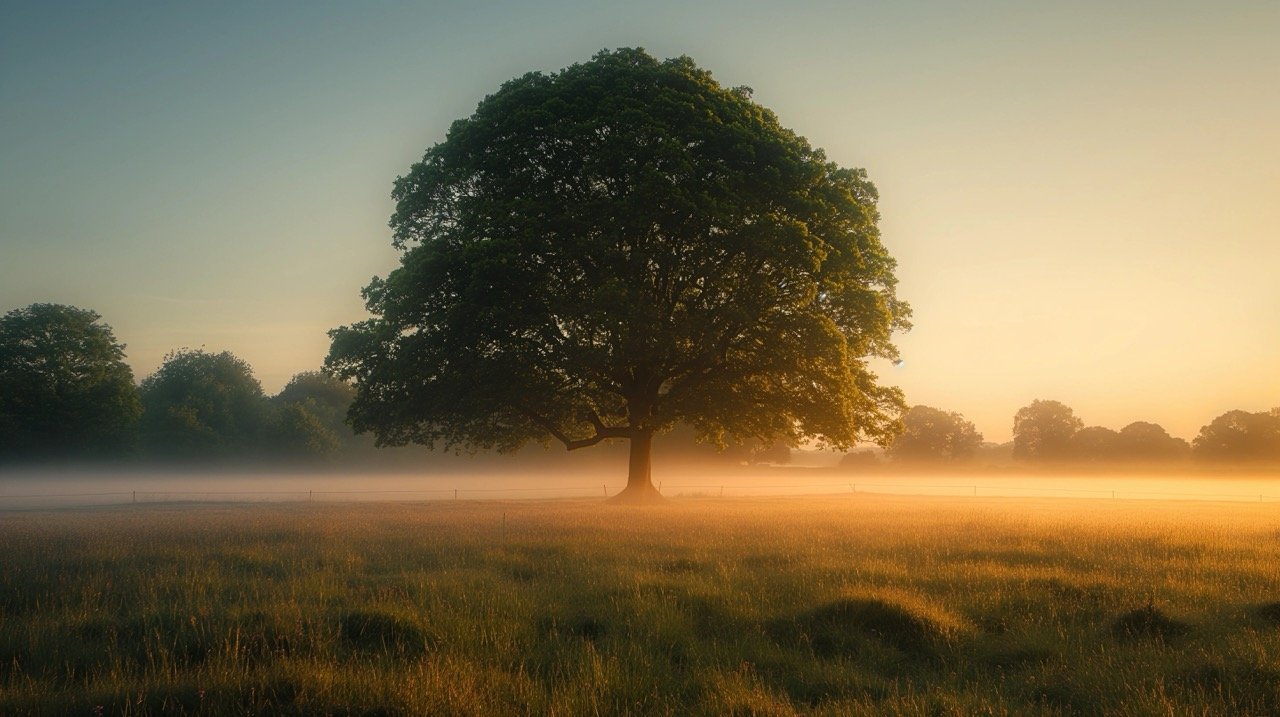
(1084, 198)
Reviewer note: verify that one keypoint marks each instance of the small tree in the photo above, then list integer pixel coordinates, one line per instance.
(1096, 444)
(64, 386)
(203, 405)
(297, 432)
(1043, 430)
(310, 417)
(1143, 441)
(931, 434)
(602, 252)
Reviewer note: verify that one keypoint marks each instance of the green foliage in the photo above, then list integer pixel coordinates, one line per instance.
(326, 393)
(310, 418)
(607, 250)
(202, 405)
(1043, 431)
(930, 434)
(297, 432)
(1241, 436)
(64, 387)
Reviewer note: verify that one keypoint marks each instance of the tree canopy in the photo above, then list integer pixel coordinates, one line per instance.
(1145, 441)
(603, 251)
(1044, 430)
(1240, 436)
(310, 417)
(931, 434)
(203, 405)
(65, 389)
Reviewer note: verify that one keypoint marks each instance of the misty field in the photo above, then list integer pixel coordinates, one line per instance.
(857, 604)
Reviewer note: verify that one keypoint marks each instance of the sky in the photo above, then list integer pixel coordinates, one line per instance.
(1083, 198)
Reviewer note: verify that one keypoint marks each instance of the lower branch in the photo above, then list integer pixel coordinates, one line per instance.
(603, 432)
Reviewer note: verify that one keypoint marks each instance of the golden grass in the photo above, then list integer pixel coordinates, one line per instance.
(845, 605)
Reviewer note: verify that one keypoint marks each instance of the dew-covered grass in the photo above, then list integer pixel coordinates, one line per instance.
(843, 605)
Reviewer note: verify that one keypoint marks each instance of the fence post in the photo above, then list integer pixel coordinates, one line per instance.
(135, 496)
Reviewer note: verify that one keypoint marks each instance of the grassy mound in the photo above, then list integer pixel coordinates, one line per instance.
(897, 619)
(1147, 622)
(370, 631)
(1269, 612)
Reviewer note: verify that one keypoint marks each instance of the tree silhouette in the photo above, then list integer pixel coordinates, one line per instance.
(601, 252)
(310, 418)
(1240, 436)
(931, 434)
(65, 389)
(1095, 443)
(1043, 430)
(1143, 441)
(203, 405)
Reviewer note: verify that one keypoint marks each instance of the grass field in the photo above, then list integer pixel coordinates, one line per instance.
(851, 605)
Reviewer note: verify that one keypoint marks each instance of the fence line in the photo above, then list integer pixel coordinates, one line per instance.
(963, 490)
(671, 490)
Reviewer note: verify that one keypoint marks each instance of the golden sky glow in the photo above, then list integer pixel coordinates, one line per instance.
(1084, 200)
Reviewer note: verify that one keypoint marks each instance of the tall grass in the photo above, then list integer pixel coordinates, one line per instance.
(851, 605)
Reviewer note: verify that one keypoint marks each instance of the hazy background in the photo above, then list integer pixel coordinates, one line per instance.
(1083, 200)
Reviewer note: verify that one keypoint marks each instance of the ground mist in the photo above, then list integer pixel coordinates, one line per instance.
(856, 604)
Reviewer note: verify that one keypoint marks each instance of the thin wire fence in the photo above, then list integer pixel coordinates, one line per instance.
(40, 500)
(961, 490)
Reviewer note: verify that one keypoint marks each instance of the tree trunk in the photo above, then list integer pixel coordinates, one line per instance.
(639, 481)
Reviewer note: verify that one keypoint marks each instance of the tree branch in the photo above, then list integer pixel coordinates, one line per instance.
(572, 444)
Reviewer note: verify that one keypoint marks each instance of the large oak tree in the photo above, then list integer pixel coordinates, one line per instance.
(603, 251)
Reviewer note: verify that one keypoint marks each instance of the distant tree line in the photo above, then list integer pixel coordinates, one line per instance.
(1050, 432)
(67, 394)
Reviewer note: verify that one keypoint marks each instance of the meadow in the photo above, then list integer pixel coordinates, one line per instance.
(839, 605)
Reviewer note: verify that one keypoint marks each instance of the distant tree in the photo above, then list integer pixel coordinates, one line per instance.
(1095, 444)
(1043, 430)
(931, 434)
(65, 389)
(1240, 436)
(778, 453)
(297, 432)
(1143, 441)
(995, 453)
(682, 443)
(203, 405)
(319, 387)
(864, 459)
(608, 250)
(311, 417)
